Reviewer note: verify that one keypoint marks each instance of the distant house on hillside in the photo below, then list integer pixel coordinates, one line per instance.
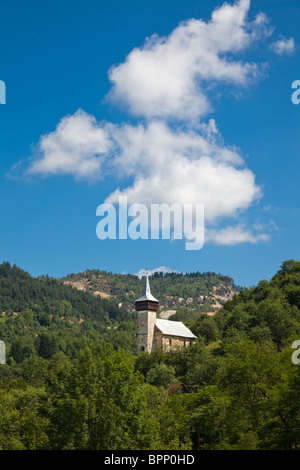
(157, 333)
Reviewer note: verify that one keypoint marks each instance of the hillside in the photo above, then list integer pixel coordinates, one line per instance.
(204, 292)
(65, 387)
(44, 315)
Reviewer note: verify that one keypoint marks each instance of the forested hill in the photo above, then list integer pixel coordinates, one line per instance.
(43, 316)
(67, 384)
(205, 292)
(48, 296)
(269, 312)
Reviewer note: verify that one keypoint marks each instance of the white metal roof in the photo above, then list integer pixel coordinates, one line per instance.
(147, 292)
(174, 328)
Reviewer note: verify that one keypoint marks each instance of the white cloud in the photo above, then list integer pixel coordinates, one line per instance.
(161, 269)
(166, 165)
(174, 166)
(284, 46)
(77, 147)
(235, 235)
(169, 76)
(223, 189)
(149, 147)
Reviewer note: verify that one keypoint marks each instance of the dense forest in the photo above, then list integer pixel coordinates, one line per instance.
(72, 379)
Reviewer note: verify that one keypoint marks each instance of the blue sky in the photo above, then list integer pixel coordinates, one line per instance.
(201, 112)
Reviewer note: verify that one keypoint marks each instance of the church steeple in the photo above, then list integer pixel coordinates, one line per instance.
(147, 301)
(146, 306)
(155, 332)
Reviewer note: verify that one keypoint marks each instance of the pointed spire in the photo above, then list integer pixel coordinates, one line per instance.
(147, 291)
(147, 296)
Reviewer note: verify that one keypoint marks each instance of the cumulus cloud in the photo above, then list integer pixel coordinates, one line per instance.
(174, 166)
(169, 76)
(284, 46)
(166, 165)
(223, 189)
(154, 145)
(233, 235)
(78, 147)
(161, 269)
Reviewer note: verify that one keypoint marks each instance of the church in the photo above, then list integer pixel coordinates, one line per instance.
(157, 333)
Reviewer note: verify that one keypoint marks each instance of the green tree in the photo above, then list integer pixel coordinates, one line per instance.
(22, 426)
(161, 375)
(98, 404)
(21, 349)
(46, 345)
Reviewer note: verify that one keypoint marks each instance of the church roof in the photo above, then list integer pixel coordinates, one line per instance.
(174, 328)
(147, 292)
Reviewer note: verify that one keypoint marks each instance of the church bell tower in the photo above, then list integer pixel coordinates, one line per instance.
(146, 307)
